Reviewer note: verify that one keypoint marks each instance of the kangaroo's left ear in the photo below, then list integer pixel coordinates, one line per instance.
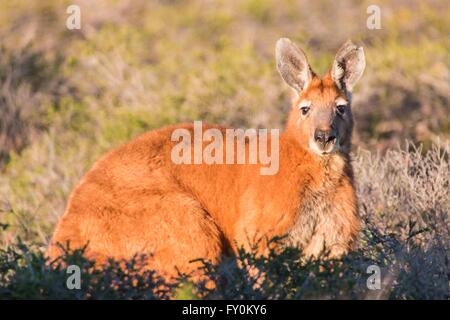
(348, 66)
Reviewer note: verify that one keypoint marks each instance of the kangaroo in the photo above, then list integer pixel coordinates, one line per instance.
(136, 200)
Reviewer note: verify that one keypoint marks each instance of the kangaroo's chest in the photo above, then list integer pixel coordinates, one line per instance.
(313, 212)
(325, 218)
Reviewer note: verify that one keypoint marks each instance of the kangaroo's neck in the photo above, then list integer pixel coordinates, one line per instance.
(325, 169)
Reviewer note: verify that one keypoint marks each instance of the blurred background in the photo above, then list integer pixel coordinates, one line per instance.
(67, 96)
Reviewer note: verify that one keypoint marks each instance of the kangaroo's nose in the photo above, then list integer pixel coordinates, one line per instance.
(324, 136)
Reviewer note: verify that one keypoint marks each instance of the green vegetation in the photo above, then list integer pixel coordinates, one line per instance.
(66, 97)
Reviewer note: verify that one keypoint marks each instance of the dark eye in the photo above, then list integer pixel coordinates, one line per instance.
(304, 110)
(341, 108)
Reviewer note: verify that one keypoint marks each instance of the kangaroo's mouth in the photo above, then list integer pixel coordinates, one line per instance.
(324, 149)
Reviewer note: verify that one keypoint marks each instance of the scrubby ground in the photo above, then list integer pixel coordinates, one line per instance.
(68, 96)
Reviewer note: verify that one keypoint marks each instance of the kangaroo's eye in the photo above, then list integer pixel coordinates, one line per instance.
(341, 108)
(304, 110)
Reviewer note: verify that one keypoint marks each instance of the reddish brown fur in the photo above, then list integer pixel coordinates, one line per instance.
(136, 200)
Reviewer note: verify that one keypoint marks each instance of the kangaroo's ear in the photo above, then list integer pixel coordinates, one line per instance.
(348, 66)
(292, 65)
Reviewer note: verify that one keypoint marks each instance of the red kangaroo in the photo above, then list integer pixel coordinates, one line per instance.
(135, 199)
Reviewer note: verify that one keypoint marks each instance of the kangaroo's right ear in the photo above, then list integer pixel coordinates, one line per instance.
(292, 64)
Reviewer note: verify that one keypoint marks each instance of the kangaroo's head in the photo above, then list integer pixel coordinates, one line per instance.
(321, 117)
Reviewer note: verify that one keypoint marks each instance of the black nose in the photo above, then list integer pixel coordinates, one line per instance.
(324, 136)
